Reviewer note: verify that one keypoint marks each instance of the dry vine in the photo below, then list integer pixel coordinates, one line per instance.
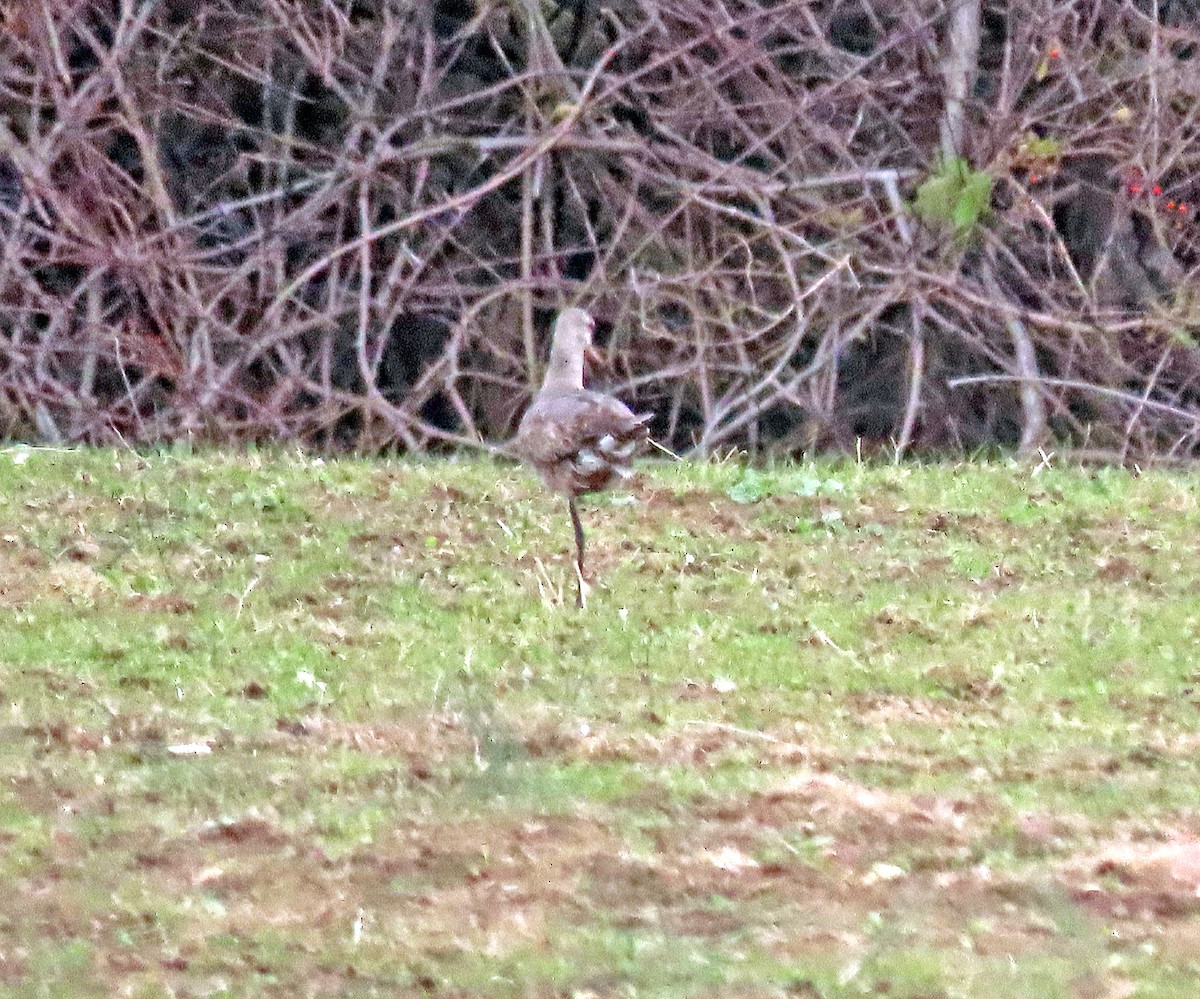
(349, 221)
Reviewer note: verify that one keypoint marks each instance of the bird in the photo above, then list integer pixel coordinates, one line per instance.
(578, 441)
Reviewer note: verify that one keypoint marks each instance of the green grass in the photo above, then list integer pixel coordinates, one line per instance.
(829, 730)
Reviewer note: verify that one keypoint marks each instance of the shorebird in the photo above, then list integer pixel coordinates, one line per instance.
(578, 441)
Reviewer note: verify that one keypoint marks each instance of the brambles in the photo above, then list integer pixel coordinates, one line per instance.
(351, 224)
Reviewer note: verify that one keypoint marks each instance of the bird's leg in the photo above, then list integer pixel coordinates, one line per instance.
(580, 598)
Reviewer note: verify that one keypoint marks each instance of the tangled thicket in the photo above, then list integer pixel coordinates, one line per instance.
(915, 223)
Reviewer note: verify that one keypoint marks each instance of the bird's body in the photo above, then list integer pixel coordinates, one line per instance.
(577, 440)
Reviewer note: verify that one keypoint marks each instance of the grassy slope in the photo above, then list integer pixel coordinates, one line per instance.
(914, 731)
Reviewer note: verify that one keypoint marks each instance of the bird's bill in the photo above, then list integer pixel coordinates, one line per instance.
(594, 358)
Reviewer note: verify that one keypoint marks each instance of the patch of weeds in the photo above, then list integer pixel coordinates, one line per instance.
(616, 960)
(786, 847)
(340, 831)
(755, 485)
(972, 561)
(64, 969)
(904, 972)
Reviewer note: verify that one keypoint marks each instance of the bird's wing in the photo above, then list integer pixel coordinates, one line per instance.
(556, 427)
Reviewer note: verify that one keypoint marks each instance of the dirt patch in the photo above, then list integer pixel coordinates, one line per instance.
(21, 572)
(485, 886)
(1118, 569)
(883, 710)
(25, 576)
(76, 581)
(1140, 879)
(436, 733)
(426, 746)
(892, 620)
(859, 827)
(705, 744)
(161, 603)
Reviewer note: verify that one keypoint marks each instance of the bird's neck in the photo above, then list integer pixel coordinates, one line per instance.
(565, 373)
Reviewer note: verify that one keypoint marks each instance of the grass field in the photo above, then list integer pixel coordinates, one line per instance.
(276, 726)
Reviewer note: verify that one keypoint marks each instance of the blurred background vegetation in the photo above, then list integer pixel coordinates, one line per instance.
(896, 224)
